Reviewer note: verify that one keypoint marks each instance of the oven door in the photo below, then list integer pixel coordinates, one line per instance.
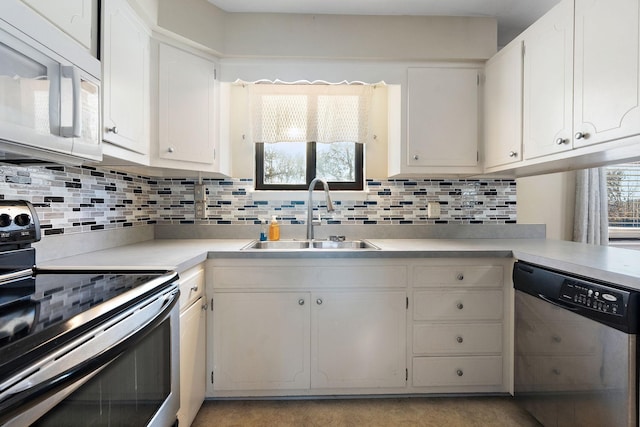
(123, 372)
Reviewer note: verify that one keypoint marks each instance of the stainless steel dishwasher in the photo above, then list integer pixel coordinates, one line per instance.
(575, 349)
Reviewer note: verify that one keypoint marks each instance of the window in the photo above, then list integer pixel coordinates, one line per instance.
(306, 131)
(623, 188)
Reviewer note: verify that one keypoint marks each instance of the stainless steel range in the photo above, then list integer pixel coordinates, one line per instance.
(83, 347)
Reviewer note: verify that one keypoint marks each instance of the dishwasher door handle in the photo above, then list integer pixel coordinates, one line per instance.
(558, 303)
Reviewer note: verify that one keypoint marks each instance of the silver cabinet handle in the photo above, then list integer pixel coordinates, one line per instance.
(205, 306)
(319, 301)
(460, 276)
(416, 157)
(581, 135)
(170, 150)
(513, 153)
(113, 129)
(561, 141)
(460, 306)
(459, 372)
(459, 339)
(301, 301)
(194, 288)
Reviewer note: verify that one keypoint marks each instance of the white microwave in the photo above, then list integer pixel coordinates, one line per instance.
(49, 91)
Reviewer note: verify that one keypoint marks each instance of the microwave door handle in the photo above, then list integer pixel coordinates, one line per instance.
(69, 71)
(74, 377)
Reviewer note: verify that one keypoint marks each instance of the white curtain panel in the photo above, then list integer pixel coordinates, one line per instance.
(591, 222)
(310, 113)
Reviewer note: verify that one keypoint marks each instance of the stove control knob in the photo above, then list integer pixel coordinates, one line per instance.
(5, 220)
(22, 220)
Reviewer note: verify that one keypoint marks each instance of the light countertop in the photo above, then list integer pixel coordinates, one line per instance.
(615, 265)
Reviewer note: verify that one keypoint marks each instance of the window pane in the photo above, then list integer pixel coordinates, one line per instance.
(285, 163)
(623, 185)
(336, 162)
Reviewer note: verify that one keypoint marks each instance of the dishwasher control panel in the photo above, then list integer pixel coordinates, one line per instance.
(599, 298)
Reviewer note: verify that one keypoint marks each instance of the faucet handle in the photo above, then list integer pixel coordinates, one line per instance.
(337, 238)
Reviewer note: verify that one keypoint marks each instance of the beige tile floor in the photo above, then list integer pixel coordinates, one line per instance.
(414, 411)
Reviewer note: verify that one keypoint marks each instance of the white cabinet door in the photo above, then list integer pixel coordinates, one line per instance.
(503, 107)
(548, 83)
(442, 121)
(125, 77)
(192, 361)
(77, 18)
(261, 341)
(607, 79)
(186, 110)
(358, 339)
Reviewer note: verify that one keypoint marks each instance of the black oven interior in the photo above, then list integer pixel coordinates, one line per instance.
(128, 392)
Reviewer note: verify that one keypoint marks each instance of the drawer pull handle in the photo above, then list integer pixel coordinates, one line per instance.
(556, 339)
(194, 288)
(301, 301)
(459, 372)
(460, 306)
(555, 371)
(319, 301)
(459, 339)
(205, 306)
(460, 276)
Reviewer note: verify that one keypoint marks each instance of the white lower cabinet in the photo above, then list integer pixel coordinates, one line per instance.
(289, 328)
(460, 331)
(340, 326)
(358, 339)
(261, 341)
(192, 343)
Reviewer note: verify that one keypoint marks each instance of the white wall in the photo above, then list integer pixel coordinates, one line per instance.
(548, 199)
(400, 38)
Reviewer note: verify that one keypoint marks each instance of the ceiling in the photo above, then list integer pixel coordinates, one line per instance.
(513, 16)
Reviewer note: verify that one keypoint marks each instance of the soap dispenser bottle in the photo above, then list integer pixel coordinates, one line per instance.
(274, 229)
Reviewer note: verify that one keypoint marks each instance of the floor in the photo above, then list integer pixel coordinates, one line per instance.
(414, 411)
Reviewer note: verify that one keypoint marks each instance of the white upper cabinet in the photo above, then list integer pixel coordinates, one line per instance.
(548, 83)
(607, 78)
(581, 89)
(187, 121)
(503, 107)
(77, 18)
(125, 74)
(442, 123)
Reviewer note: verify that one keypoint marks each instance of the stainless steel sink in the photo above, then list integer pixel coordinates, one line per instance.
(345, 244)
(310, 245)
(278, 244)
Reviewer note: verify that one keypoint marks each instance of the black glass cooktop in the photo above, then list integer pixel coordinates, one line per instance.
(47, 305)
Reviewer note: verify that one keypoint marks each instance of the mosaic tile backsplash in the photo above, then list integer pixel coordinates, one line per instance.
(83, 199)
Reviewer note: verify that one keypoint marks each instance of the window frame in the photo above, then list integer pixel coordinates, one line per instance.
(357, 185)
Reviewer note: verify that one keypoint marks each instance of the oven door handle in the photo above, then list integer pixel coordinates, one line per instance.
(28, 398)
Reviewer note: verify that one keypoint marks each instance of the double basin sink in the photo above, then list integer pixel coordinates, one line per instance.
(311, 245)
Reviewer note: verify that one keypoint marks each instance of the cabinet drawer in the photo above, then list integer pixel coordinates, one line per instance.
(463, 338)
(191, 285)
(464, 275)
(457, 305)
(457, 371)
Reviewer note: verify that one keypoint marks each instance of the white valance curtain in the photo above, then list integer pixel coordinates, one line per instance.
(323, 113)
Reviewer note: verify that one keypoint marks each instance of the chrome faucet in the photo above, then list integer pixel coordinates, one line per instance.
(310, 222)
